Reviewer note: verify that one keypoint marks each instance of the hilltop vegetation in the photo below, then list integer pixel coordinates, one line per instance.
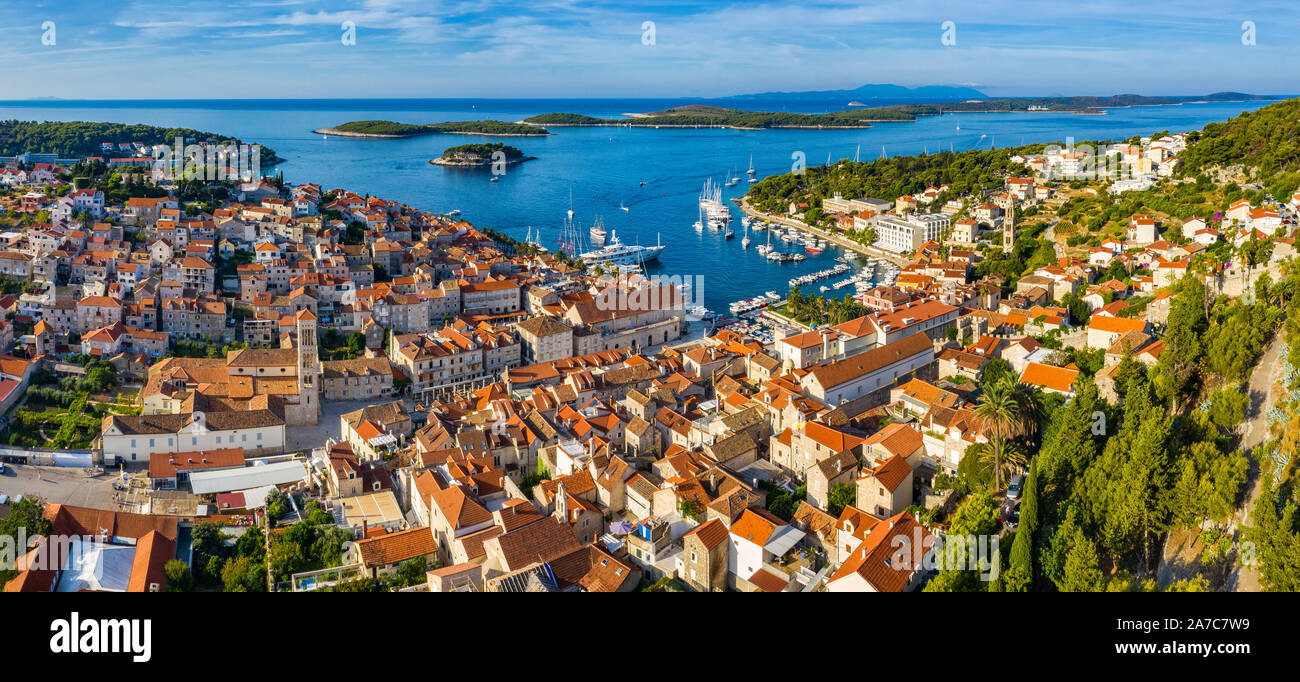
(82, 138)
(1267, 140)
(964, 172)
(395, 129)
(483, 150)
(565, 119)
(479, 154)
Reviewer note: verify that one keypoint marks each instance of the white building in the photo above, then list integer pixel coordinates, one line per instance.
(902, 235)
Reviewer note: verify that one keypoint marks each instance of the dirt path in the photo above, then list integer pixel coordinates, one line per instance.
(1268, 374)
(1181, 555)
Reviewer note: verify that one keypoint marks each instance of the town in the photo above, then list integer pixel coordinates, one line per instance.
(264, 386)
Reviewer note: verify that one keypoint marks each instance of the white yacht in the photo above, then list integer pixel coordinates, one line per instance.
(618, 253)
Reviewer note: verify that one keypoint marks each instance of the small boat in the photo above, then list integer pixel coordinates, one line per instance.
(813, 249)
(598, 232)
(623, 206)
(643, 183)
(454, 211)
(825, 288)
(494, 178)
(729, 233)
(744, 221)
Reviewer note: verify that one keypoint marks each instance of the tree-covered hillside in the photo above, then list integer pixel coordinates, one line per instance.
(1267, 139)
(83, 138)
(888, 178)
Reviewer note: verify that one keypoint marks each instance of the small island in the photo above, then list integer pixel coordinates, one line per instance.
(473, 155)
(393, 130)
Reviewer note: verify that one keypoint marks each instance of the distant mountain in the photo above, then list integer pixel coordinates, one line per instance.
(869, 92)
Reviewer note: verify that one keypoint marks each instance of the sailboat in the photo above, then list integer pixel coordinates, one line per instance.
(731, 179)
(744, 243)
(699, 224)
(751, 166)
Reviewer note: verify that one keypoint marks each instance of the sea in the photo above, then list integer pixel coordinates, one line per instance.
(657, 174)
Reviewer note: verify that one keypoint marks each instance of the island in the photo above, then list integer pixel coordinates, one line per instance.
(80, 139)
(708, 116)
(394, 130)
(472, 155)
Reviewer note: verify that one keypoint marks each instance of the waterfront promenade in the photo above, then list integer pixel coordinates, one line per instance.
(839, 240)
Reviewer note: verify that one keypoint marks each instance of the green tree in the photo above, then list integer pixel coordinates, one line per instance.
(1020, 574)
(242, 574)
(178, 576)
(840, 496)
(1082, 573)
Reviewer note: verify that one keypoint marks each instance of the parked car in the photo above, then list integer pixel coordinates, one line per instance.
(1011, 514)
(4, 499)
(1016, 488)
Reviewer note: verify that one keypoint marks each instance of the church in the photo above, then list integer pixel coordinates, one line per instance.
(284, 380)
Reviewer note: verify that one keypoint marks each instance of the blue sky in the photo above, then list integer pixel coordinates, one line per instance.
(172, 49)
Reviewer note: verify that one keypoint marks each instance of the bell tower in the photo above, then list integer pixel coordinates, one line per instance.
(1008, 205)
(308, 367)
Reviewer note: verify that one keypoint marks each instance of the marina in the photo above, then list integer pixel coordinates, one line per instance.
(605, 172)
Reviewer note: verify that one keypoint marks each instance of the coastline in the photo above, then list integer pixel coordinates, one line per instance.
(720, 126)
(378, 136)
(445, 163)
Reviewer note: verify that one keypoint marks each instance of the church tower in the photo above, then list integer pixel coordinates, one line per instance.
(308, 368)
(1008, 204)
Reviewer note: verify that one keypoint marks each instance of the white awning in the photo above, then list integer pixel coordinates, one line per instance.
(382, 439)
(783, 540)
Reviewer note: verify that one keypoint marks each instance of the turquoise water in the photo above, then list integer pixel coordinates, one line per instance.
(603, 167)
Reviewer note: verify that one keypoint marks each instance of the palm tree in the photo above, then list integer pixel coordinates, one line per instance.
(1029, 408)
(999, 416)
